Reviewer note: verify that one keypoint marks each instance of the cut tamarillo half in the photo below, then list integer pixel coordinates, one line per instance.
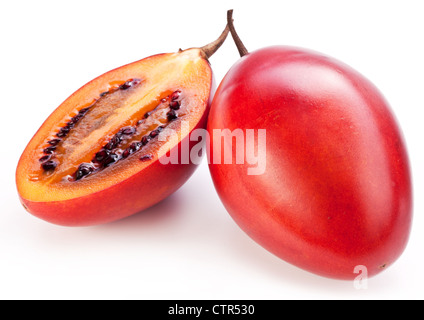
(97, 157)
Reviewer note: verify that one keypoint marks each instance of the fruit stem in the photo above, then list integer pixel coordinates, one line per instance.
(240, 46)
(212, 47)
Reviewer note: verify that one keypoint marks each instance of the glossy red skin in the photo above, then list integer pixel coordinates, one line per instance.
(336, 192)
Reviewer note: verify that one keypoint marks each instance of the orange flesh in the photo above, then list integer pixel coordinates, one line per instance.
(94, 131)
(109, 112)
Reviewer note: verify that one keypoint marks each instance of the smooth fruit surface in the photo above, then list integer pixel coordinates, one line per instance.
(336, 192)
(96, 158)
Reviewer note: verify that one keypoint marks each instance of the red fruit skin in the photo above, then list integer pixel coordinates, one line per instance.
(336, 192)
(135, 194)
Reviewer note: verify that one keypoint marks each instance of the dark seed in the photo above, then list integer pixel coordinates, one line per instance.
(135, 146)
(171, 115)
(84, 169)
(175, 95)
(114, 142)
(65, 130)
(128, 130)
(128, 84)
(146, 115)
(146, 157)
(126, 153)
(76, 118)
(49, 150)
(54, 142)
(61, 134)
(70, 124)
(145, 140)
(45, 158)
(49, 165)
(101, 155)
(125, 86)
(84, 111)
(109, 145)
(153, 134)
(112, 158)
(175, 105)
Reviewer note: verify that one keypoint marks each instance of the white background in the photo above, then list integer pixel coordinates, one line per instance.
(187, 247)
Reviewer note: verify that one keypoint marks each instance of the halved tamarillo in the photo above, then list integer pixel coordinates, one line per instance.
(331, 187)
(97, 157)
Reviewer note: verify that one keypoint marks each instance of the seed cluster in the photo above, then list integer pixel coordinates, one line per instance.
(48, 163)
(111, 153)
